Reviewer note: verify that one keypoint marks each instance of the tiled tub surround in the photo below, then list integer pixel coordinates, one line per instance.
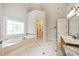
(19, 47)
(11, 44)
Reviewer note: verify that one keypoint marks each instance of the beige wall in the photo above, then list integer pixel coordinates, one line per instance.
(62, 27)
(0, 19)
(16, 11)
(0, 28)
(53, 12)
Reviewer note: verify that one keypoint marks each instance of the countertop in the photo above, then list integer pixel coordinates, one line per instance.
(70, 40)
(71, 46)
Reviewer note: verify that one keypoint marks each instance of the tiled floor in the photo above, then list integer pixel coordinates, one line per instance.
(42, 49)
(72, 51)
(45, 48)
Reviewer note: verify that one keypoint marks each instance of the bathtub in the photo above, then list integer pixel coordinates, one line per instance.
(12, 41)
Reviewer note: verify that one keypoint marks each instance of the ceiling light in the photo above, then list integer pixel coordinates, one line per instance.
(77, 12)
(72, 12)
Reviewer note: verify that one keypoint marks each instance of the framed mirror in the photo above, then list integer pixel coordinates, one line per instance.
(73, 27)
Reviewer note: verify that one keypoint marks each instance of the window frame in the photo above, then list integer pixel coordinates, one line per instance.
(15, 20)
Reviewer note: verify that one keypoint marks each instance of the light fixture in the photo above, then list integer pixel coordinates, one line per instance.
(77, 12)
(71, 12)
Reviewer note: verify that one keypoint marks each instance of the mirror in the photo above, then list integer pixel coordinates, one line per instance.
(74, 27)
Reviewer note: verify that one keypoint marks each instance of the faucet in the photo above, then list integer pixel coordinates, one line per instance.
(76, 36)
(0, 42)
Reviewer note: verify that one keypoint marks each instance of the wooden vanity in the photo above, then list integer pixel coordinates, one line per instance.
(69, 46)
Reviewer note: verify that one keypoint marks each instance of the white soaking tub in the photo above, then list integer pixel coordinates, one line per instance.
(13, 41)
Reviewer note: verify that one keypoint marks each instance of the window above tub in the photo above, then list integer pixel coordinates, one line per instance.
(14, 27)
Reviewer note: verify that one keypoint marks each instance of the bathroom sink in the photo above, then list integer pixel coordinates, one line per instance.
(70, 40)
(0, 42)
(76, 36)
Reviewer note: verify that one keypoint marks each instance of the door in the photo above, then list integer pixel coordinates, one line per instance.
(39, 29)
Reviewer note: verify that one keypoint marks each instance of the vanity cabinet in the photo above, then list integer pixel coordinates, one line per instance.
(70, 46)
(62, 29)
(67, 45)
